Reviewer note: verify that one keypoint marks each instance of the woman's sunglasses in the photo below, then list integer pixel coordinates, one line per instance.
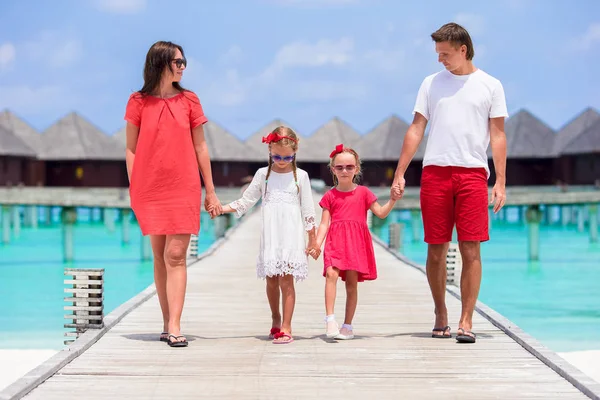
(278, 158)
(179, 62)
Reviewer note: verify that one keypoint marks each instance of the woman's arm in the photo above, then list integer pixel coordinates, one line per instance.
(131, 132)
(202, 155)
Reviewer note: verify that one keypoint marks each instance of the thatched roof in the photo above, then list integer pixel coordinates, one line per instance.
(223, 146)
(260, 152)
(587, 142)
(384, 142)
(74, 138)
(31, 137)
(570, 132)
(318, 145)
(11, 145)
(527, 137)
(121, 136)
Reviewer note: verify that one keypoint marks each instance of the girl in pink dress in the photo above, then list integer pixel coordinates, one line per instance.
(349, 247)
(166, 153)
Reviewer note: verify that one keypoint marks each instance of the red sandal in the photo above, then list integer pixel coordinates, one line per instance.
(288, 338)
(274, 331)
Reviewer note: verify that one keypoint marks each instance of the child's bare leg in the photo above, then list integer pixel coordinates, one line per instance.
(288, 293)
(351, 296)
(331, 276)
(273, 297)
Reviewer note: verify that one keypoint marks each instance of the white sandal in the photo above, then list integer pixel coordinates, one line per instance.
(345, 336)
(332, 329)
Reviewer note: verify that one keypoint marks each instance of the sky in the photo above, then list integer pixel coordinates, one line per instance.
(303, 61)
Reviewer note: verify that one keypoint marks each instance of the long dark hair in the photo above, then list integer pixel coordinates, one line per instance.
(158, 58)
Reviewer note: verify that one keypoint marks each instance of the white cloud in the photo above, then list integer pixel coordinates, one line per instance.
(473, 23)
(7, 55)
(30, 100)
(278, 80)
(121, 6)
(53, 49)
(327, 90)
(232, 56)
(590, 38)
(300, 54)
(385, 60)
(324, 52)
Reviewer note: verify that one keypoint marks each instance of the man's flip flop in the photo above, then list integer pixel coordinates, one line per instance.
(443, 333)
(176, 342)
(465, 336)
(164, 337)
(274, 331)
(289, 338)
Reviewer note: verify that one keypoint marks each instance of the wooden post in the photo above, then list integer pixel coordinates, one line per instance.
(48, 215)
(145, 248)
(5, 224)
(533, 216)
(125, 225)
(593, 215)
(453, 265)
(192, 251)
(16, 220)
(415, 224)
(33, 216)
(109, 219)
(220, 224)
(565, 215)
(87, 301)
(395, 236)
(69, 216)
(580, 219)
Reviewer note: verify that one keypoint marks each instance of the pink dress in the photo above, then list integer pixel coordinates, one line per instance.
(349, 246)
(165, 180)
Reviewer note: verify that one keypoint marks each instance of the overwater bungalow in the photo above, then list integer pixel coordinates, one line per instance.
(578, 147)
(530, 151)
(380, 151)
(33, 171)
(79, 154)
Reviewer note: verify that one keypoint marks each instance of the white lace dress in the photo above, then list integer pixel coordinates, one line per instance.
(286, 216)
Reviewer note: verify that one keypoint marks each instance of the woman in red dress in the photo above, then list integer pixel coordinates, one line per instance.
(165, 149)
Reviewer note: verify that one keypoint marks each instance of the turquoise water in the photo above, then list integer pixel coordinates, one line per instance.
(556, 299)
(31, 275)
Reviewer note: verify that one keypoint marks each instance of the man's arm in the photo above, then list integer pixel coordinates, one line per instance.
(498, 144)
(412, 140)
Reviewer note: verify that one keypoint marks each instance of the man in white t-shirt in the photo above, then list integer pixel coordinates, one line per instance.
(466, 108)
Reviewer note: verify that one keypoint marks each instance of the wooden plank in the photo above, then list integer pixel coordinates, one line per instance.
(85, 299)
(98, 282)
(84, 272)
(84, 290)
(83, 308)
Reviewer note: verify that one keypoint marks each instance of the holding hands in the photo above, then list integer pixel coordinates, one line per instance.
(313, 250)
(396, 193)
(213, 205)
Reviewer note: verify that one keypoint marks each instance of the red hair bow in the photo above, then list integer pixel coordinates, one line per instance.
(338, 149)
(274, 137)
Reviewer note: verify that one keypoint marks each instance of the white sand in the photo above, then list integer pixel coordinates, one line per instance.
(16, 363)
(585, 361)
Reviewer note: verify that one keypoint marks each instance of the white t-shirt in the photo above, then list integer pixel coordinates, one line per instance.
(458, 108)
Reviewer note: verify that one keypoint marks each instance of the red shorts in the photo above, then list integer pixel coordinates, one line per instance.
(452, 195)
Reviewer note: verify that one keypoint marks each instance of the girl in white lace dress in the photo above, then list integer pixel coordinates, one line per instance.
(288, 213)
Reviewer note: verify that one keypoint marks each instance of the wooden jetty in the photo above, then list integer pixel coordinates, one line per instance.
(227, 319)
